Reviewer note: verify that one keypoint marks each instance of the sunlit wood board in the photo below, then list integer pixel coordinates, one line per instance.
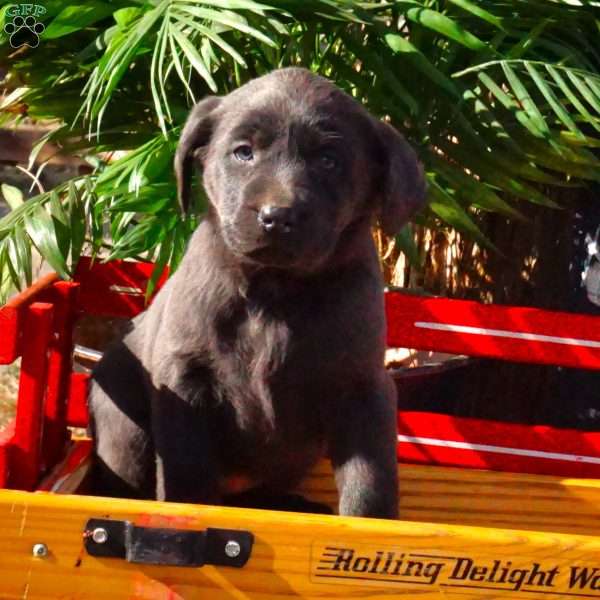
(317, 556)
(483, 498)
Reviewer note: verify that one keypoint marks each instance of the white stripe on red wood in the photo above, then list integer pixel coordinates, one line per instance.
(504, 333)
(424, 441)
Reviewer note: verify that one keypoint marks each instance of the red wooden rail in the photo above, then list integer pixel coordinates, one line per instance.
(13, 315)
(457, 326)
(426, 438)
(38, 324)
(511, 333)
(115, 289)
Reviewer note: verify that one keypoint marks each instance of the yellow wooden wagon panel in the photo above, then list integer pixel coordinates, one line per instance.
(483, 498)
(317, 556)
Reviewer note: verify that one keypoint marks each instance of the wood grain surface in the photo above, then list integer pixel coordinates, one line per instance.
(483, 498)
(522, 549)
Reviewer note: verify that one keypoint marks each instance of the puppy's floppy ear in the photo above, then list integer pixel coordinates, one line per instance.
(403, 188)
(196, 134)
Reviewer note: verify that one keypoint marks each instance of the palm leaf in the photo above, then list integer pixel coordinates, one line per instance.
(449, 210)
(553, 101)
(227, 18)
(446, 26)
(478, 11)
(502, 99)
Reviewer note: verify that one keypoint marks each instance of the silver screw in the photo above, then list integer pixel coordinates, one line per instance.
(232, 549)
(100, 535)
(40, 550)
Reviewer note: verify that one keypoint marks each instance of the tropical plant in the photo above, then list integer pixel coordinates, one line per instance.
(500, 99)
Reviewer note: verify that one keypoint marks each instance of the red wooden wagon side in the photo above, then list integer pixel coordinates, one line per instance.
(476, 495)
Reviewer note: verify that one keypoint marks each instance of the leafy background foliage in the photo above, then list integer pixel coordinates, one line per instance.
(500, 99)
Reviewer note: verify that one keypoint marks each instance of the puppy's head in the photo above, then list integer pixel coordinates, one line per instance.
(289, 162)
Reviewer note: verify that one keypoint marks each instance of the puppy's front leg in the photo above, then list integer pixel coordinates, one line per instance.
(362, 448)
(186, 470)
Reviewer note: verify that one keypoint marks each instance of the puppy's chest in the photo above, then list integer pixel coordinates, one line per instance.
(266, 370)
(260, 349)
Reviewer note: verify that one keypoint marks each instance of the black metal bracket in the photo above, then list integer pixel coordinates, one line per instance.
(159, 546)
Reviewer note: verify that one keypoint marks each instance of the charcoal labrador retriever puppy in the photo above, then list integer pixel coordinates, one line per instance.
(265, 350)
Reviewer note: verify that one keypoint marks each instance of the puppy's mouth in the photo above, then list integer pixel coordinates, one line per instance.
(272, 256)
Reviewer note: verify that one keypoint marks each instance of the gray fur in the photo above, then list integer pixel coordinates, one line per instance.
(264, 351)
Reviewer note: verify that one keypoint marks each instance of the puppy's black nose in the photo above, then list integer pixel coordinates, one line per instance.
(277, 219)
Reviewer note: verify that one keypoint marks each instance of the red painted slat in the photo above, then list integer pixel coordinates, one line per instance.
(99, 297)
(77, 457)
(506, 323)
(25, 454)
(9, 334)
(109, 289)
(11, 316)
(6, 439)
(77, 412)
(60, 362)
(497, 446)
(3, 465)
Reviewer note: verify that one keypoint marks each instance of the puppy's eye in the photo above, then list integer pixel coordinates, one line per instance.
(328, 161)
(244, 153)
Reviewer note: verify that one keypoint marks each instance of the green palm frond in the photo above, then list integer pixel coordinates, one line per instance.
(566, 95)
(501, 100)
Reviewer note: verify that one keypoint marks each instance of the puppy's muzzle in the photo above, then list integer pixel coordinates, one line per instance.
(280, 219)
